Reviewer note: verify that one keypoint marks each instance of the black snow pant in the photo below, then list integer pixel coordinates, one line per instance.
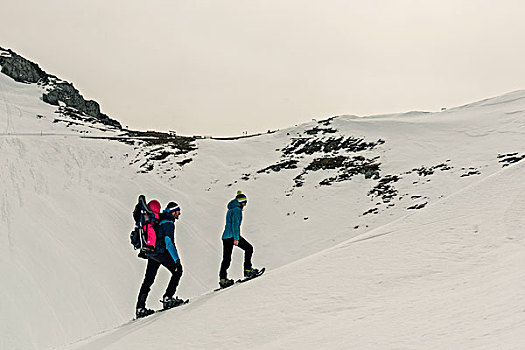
(154, 263)
(227, 249)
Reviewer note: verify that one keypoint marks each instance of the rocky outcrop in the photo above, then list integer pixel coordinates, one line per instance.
(287, 164)
(20, 69)
(319, 152)
(507, 159)
(25, 71)
(66, 93)
(311, 145)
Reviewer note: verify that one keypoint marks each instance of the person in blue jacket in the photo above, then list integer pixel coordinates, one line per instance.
(165, 254)
(232, 237)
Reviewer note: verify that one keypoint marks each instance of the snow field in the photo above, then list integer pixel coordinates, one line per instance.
(448, 275)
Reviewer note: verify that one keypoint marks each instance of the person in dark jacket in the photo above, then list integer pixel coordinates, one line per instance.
(165, 254)
(232, 237)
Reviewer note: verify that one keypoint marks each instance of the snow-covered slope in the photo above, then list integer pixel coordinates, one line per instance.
(448, 277)
(409, 236)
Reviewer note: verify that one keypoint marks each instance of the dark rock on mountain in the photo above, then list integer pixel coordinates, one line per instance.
(288, 164)
(471, 171)
(335, 153)
(333, 144)
(317, 130)
(510, 158)
(417, 206)
(385, 188)
(424, 171)
(427, 171)
(327, 121)
(20, 69)
(185, 161)
(179, 144)
(347, 167)
(66, 93)
(327, 163)
(371, 211)
(25, 71)
(159, 148)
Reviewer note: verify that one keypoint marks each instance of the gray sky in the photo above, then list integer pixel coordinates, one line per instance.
(221, 67)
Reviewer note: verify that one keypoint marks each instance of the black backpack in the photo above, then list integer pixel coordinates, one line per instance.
(143, 216)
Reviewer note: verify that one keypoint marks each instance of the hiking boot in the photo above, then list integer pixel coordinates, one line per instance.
(224, 282)
(143, 312)
(168, 302)
(250, 273)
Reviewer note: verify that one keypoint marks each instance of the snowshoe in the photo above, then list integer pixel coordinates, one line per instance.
(168, 303)
(224, 282)
(143, 312)
(251, 273)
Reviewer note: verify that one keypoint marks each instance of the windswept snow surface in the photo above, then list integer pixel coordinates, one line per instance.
(448, 275)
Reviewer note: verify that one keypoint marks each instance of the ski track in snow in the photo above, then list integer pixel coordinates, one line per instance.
(9, 127)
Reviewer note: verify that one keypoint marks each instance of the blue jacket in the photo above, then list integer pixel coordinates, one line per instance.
(166, 236)
(233, 221)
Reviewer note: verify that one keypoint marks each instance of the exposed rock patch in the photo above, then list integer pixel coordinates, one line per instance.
(320, 153)
(385, 188)
(470, 172)
(287, 164)
(314, 145)
(417, 206)
(177, 145)
(57, 91)
(20, 69)
(371, 211)
(327, 121)
(427, 171)
(317, 130)
(509, 158)
(157, 148)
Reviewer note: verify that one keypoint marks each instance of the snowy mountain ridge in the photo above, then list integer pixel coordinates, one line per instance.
(395, 231)
(56, 92)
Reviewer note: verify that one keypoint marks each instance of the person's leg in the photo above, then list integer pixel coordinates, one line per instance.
(149, 278)
(176, 272)
(227, 248)
(248, 252)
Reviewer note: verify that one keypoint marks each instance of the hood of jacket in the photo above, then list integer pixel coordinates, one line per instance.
(164, 216)
(234, 204)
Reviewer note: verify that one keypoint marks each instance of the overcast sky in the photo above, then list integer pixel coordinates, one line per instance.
(221, 67)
